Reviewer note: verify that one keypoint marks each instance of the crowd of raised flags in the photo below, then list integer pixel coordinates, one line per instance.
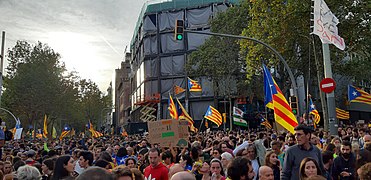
(274, 99)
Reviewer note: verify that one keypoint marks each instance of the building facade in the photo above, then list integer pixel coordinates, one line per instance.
(158, 60)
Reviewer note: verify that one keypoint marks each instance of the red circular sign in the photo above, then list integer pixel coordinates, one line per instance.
(327, 85)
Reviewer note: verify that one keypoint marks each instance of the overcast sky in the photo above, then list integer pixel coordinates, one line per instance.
(90, 35)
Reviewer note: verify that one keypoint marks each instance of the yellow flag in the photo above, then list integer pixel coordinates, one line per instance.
(45, 131)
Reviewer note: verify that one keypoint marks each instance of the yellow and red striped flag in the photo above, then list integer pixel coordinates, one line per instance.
(172, 108)
(342, 114)
(313, 111)
(183, 114)
(214, 116)
(193, 86)
(274, 99)
(45, 130)
(358, 95)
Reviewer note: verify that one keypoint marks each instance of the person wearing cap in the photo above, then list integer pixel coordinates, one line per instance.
(30, 155)
(296, 153)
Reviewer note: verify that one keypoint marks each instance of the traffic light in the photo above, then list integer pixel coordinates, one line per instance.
(179, 29)
(294, 104)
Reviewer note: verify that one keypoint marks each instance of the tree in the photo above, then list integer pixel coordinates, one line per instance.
(218, 58)
(37, 83)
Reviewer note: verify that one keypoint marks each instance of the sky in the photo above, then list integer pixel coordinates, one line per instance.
(90, 35)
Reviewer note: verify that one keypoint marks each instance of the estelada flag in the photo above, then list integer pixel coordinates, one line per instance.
(274, 99)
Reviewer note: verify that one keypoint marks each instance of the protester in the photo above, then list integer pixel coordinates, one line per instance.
(308, 168)
(95, 173)
(63, 168)
(266, 173)
(47, 169)
(344, 164)
(295, 154)
(156, 170)
(216, 169)
(28, 172)
(241, 168)
(273, 162)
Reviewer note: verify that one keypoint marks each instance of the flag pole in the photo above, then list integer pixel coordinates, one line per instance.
(201, 124)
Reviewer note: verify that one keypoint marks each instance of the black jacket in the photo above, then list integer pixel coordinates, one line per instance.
(340, 165)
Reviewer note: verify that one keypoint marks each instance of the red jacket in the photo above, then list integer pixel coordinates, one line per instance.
(159, 172)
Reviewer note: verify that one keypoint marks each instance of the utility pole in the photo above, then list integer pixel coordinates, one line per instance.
(332, 120)
(2, 64)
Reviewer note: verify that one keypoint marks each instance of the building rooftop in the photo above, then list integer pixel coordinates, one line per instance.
(153, 6)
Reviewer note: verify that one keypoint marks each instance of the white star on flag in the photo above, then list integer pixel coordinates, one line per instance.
(312, 106)
(354, 93)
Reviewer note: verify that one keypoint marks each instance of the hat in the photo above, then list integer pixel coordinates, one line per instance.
(30, 152)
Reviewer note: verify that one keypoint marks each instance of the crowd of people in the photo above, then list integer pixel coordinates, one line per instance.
(216, 155)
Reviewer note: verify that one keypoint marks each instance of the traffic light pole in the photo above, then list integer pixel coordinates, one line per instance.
(291, 75)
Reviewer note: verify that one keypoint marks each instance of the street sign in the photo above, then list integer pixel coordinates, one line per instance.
(327, 85)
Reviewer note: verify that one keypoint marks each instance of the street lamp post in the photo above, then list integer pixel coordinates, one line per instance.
(101, 114)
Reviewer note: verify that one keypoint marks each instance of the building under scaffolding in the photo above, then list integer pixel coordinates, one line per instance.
(158, 60)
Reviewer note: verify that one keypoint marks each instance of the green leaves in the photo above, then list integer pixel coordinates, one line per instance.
(38, 83)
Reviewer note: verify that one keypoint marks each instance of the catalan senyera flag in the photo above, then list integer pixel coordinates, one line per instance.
(358, 95)
(183, 114)
(66, 130)
(193, 86)
(172, 108)
(45, 130)
(266, 123)
(214, 116)
(178, 89)
(274, 99)
(313, 111)
(342, 114)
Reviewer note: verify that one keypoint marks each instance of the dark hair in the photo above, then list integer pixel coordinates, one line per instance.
(49, 163)
(327, 156)
(95, 173)
(59, 171)
(101, 163)
(187, 158)
(166, 155)
(330, 147)
(87, 155)
(128, 159)
(302, 167)
(347, 143)
(155, 150)
(18, 164)
(238, 167)
(220, 164)
(304, 128)
(122, 152)
(52, 153)
(105, 156)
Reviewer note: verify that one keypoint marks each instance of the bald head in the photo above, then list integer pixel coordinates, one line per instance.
(184, 175)
(175, 169)
(367, 138)
(266, 173)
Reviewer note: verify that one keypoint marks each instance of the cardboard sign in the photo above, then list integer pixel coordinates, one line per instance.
(168, 132)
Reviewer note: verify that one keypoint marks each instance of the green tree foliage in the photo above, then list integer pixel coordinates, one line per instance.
(218, 58)
(284, 24)
(38, 83)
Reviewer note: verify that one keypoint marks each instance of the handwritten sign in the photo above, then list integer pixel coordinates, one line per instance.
(325, 25)
(166, 132)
